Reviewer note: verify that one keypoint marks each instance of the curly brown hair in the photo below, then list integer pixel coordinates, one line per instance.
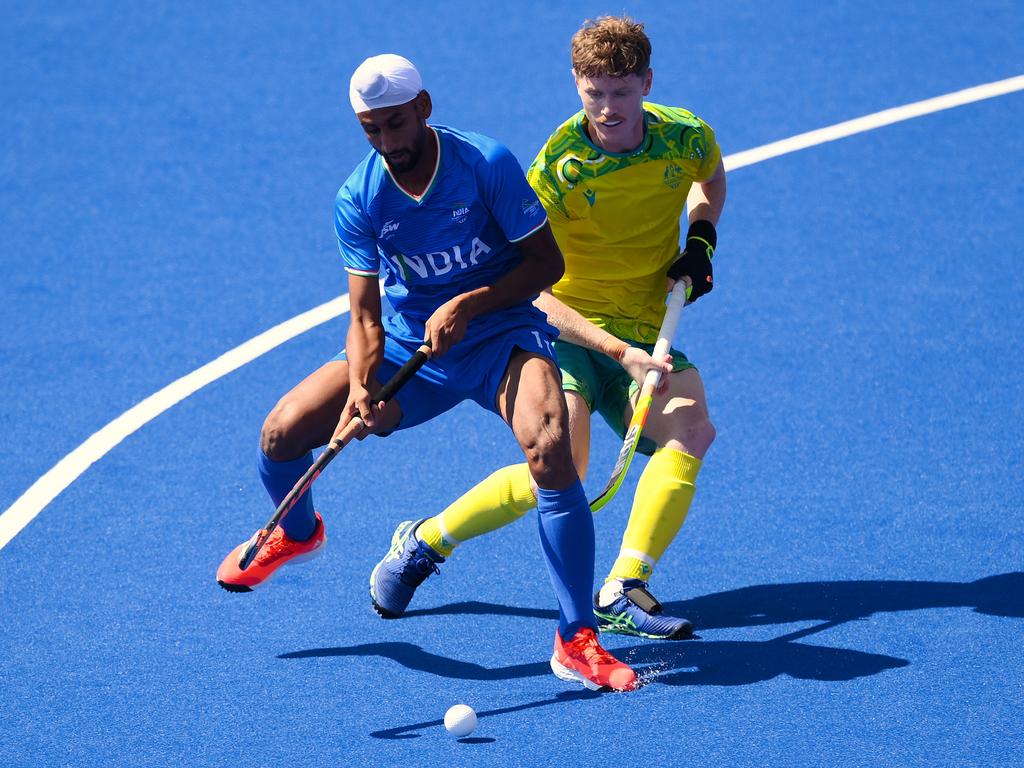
(611, 45)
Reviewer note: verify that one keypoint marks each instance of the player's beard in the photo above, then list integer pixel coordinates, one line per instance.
(405, 160)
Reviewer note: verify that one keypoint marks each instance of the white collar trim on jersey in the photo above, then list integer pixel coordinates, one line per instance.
(433, 176)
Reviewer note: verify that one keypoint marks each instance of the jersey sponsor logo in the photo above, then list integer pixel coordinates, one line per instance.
(460, 214)
(438, 263)
(673, 176)
(591, 196)
(389, 228)
(531, 207)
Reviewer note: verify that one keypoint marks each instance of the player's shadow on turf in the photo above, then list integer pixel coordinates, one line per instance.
(834, 601)
(705, 663)
(413, 657)
(830, 603)
(477, 608)
(729, 663)
(842, 601)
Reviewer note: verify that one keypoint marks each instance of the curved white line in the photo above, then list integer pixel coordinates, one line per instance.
(70, 468)
(67, 470)
(874, 120)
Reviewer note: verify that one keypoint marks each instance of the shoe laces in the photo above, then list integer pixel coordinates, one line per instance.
(416, 563)
(420, 565)
(585, 644)
(277, 544)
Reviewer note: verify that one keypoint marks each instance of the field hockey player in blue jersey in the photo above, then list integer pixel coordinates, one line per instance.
(463, 244)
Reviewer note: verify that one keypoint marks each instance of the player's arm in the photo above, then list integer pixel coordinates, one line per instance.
(707, 198)
(542, 266)
(576, 329)
(706, 202)
(364, 348)
(364, 342)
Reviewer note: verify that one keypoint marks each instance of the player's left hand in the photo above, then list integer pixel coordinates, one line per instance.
(446, 327)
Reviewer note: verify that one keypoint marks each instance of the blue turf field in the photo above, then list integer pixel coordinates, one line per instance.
(855, 557)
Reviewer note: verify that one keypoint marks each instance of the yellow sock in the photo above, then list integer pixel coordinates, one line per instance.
(662, 500)
(501, 499)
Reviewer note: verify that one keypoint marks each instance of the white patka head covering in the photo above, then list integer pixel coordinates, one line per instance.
(383, 81)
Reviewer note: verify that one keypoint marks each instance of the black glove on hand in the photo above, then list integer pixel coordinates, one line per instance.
(695, 260)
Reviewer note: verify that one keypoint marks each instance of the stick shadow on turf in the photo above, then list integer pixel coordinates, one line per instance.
(405, 731)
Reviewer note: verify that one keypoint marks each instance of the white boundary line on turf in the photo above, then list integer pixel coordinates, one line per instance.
(67, 470)
(53, 482)
(874, 120)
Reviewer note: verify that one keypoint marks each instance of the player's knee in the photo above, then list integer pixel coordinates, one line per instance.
(546, 446)
(280, 437)
(699, 436)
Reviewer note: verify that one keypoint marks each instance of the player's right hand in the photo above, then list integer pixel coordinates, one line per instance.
(446, 326)
(637, 363)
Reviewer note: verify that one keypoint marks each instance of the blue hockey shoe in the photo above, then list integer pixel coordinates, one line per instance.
(635, 611)
(406, 565)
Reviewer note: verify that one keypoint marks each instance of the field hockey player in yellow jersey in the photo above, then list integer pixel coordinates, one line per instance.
(615, 180)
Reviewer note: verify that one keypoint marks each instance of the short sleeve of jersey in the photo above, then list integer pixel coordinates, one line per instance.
(694, 145)
(356, 239)
(539, 177)
(508, 196)
(712, 153)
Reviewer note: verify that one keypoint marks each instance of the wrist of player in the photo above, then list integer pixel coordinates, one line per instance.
(614, 348)
(695, 260)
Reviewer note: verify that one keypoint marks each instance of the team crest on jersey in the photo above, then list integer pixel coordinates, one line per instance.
(569, 170)
(531, 207)
(460, 214)
(389, 228)
(673, 176)
(591, 196)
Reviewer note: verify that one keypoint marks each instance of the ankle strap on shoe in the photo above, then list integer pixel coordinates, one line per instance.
(643, 599)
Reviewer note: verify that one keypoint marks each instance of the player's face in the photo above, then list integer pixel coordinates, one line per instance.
(399, 133)
(614, 109)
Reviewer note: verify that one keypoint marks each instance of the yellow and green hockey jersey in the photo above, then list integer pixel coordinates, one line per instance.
(616, 216)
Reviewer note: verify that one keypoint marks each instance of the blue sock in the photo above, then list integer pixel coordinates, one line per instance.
(567, 538)
(279, 477)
